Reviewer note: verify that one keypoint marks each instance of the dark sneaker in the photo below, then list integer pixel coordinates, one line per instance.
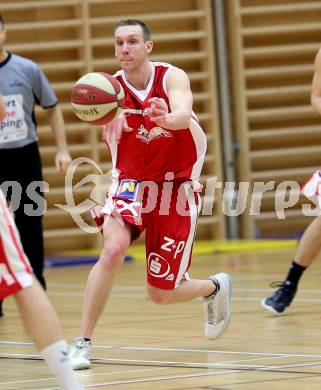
(281, 299)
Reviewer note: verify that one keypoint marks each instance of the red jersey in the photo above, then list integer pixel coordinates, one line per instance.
(149, 152)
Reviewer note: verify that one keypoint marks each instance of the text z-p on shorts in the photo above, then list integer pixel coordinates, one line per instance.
(169, 216)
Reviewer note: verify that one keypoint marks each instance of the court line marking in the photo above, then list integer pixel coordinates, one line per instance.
(211, 351)
(126, 371)
(153, 379)
(164, 378)
(142, 296)
(153, 349)
(181, 364)
(236, 279)
(209, 365)
(21, 343)
(117, 289)
(86, 375)
(187, 364)
(244, 368)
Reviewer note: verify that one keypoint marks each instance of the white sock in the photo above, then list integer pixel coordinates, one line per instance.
(56, 356)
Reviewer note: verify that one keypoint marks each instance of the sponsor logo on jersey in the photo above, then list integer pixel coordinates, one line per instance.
(170, 245)
(132, 111)
(136, 112)
(158, 267)
(155, 133)
(128, 189)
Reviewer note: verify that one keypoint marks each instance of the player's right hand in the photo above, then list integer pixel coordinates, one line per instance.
(113, 130)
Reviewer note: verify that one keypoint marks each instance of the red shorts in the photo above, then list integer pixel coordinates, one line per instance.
(169, 216)
(15, 270)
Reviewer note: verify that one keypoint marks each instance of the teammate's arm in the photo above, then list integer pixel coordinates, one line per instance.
(180, 100)
(2, 108)
(316, 84)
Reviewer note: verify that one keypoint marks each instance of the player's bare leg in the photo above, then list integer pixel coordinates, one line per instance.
(310, 243)
(99, 286)
(43, 326)
(187, 290)
(216, 294)
(101, 278)
(36, 310)
(307, 250)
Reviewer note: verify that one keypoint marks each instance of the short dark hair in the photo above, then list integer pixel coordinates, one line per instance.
(2, 20)
(134, 22)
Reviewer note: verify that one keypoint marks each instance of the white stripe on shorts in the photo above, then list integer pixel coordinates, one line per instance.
(195, 209)
(16, 261)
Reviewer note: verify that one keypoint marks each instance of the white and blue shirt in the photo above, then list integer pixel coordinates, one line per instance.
(23, 85)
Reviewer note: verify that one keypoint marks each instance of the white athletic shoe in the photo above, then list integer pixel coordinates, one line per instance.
(79, 354)
(217, 307)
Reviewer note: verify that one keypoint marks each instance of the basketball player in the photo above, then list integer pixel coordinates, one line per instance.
(158, 143)
(310, 243)
(23, 85)
(38, 315)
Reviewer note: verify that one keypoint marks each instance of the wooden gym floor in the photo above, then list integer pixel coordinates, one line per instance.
(140, 345)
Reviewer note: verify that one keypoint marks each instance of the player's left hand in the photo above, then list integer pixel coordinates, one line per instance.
(62, 160)
(158, 111)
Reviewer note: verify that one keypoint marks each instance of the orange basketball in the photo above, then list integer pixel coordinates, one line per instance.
(97, 98)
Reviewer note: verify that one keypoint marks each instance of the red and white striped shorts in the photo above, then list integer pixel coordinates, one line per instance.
(15, 269)
(170, 230)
